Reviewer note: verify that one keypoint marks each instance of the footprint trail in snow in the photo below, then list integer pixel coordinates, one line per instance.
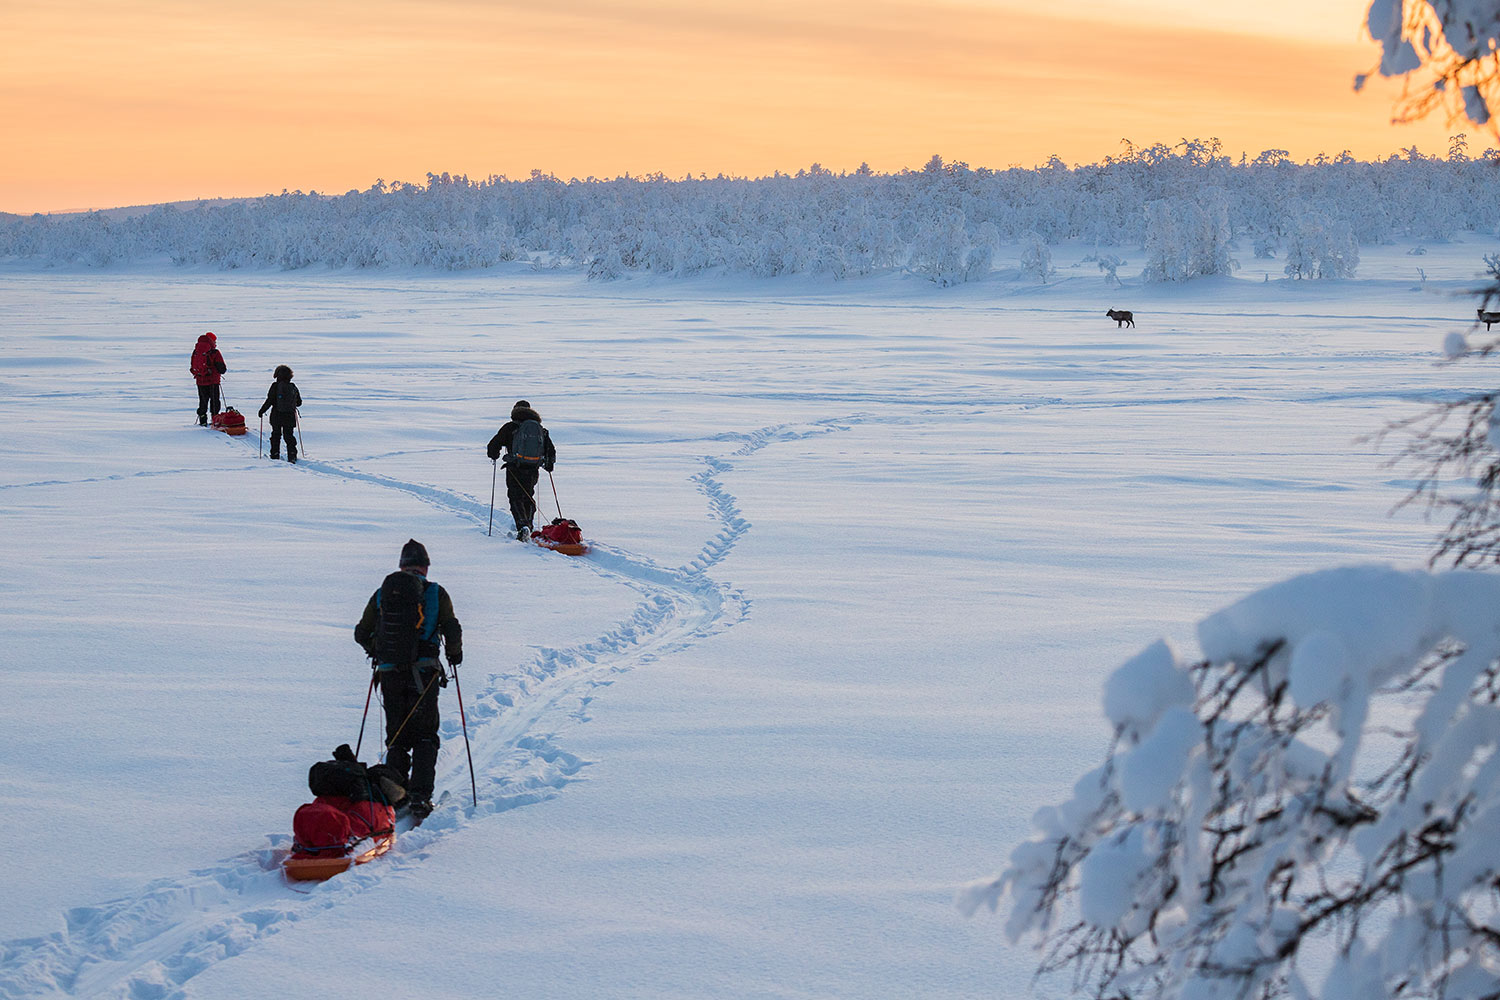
(149, 945)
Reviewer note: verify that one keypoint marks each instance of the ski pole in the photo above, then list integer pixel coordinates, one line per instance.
(554, 492)
(362, 718)
(473, 788)
(494, 473)
(260, 452)
(298, 418)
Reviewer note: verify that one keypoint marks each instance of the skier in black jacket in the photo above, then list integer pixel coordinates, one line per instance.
(283, 399)
(410, 688)
(528, 449)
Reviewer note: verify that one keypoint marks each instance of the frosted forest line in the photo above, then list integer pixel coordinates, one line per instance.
(1192, 209)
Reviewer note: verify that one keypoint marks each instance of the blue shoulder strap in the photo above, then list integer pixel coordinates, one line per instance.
(429, 610)
(428, 627)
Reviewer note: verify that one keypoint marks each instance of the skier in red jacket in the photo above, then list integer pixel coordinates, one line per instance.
(207, 367)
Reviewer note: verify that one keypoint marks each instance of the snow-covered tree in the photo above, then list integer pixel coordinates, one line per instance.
(1187, 238)
(604, 262)
(939, 252)
(1310, 809)
(1318, 247)
(1036, 258)
(978, 261)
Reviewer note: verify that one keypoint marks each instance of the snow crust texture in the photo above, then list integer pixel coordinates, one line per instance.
(859, 551)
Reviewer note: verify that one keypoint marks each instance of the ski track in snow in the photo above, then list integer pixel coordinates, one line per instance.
(149, 945)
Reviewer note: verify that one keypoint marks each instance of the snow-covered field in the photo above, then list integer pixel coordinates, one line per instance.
(864, 553)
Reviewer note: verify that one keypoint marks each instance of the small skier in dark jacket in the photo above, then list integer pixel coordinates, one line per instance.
(283, 400)
(400, 631)
(207, 368)
(528, 449)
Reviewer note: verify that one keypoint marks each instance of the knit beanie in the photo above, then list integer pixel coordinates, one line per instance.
(413, 553)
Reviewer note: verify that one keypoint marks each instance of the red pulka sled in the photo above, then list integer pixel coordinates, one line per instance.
(562, 535)
(231, 422)
(333, 834)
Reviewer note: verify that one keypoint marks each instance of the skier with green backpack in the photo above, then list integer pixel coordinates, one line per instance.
(400, 632)
(528, 450)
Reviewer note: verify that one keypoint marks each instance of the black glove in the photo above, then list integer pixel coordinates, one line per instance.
(547, 467)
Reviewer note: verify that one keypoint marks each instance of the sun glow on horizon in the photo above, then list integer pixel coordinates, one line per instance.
(165, 100)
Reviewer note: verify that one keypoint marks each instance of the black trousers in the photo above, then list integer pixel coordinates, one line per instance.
(411, 726)
(208, 401)
(284, 427)
(520, 488)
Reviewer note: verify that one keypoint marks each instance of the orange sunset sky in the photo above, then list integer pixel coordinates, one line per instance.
(106, 103)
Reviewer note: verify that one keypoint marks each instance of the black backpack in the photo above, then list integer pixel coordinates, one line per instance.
(353, 780)
(403, 617)
(528, 444)
(340, 777)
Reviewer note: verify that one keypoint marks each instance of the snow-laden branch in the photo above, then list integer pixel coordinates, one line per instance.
(1447, 51)
(1313, 809)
